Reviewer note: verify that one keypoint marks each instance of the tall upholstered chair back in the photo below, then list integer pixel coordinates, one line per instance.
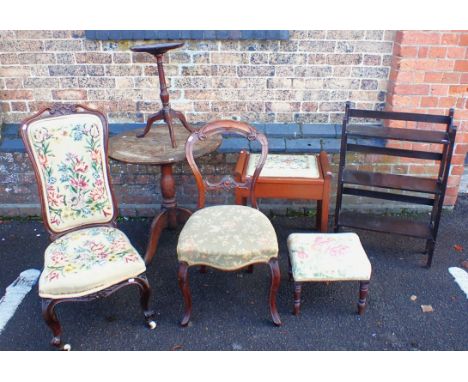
(68, 149)
(228, 182)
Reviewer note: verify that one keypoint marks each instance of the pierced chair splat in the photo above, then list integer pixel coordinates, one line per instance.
(88, 257)
(227, 237)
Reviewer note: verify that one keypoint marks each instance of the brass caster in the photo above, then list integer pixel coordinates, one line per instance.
(66, 347)
(152, 325)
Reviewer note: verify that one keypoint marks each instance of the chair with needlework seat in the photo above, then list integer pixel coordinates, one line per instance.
(88, 257)
(227, 237)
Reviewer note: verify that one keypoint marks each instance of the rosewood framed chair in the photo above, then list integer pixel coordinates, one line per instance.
(88, 258)
(227, 237)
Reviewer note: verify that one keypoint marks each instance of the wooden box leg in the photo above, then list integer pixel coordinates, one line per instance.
(297, 297)
(363, 291)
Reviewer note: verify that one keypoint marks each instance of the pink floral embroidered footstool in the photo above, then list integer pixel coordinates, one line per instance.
(328, 257)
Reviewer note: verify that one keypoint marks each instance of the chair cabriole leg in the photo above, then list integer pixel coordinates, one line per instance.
(275, 282)
(50, 318)
(145, 294)
(185, 289)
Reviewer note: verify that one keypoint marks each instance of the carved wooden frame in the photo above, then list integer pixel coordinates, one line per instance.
(227, 183)
(48, 305)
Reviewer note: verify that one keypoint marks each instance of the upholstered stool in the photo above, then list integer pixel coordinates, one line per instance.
(328, 257)
(287, 176)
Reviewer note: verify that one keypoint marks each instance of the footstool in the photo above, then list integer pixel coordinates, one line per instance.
(289, 176)
(317, 257)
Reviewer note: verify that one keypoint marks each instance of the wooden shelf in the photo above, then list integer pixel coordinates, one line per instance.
(396, 182)
(386, 224)
(413, 135)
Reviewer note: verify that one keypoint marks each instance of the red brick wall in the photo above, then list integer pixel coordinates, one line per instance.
(429, 74)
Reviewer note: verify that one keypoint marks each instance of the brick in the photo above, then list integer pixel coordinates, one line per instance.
(408, 51)
(15, 71)
(369, 84)
(439, 90)
(256, 71)
(179, 58)
(313, 71)
(345, 35)
(309, 107)
(429, 101)
(36, 58)
(14, 83)
(464, 39)
(344, 59)
(420, 38)
(63, 45)
(456, 52)
(34, 82)
(412, 89)
(93, 58)
(370, 72)
(461, 65)
(287, 59)
(69, 94)
(374, 35)
(96, 82)
(450, 38)
(448, 102)
(331, 106)
(437, 52)
(19, 106)
(458, 89)
(121, 58)
(373, 47)
(372, 60)
(67, 70)
(228, 58)
(15, 94)
(29, 46)
(423, 51)
(9, 59)
(65, 58)
(316, 46)
(341, 83)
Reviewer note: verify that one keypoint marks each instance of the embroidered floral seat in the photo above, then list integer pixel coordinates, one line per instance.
(328, 257)
(285, 166)
(87, 261)
(227, 237)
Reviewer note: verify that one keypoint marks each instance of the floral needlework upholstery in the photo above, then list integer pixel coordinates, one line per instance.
(87, 261)
(285, 166)
(69, 153)
(227, 237)
(328, 257)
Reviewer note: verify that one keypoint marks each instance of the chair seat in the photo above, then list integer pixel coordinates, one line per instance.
(227, 237)
(328, 257)
(285, 166)
(87, 261)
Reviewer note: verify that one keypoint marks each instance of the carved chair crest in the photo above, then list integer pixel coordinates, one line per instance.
(227, 182)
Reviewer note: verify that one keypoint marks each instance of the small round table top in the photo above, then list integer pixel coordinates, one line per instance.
(156, 147)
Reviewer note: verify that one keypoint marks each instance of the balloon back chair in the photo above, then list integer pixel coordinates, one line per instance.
(227, 237)
(88, 258)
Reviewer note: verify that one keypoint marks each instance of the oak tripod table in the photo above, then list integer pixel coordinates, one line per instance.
(155, 148)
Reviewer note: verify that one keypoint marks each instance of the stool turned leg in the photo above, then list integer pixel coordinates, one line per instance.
(297, 298)
(363, 291)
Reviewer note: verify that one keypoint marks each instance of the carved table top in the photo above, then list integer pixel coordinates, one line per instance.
(155, 147)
